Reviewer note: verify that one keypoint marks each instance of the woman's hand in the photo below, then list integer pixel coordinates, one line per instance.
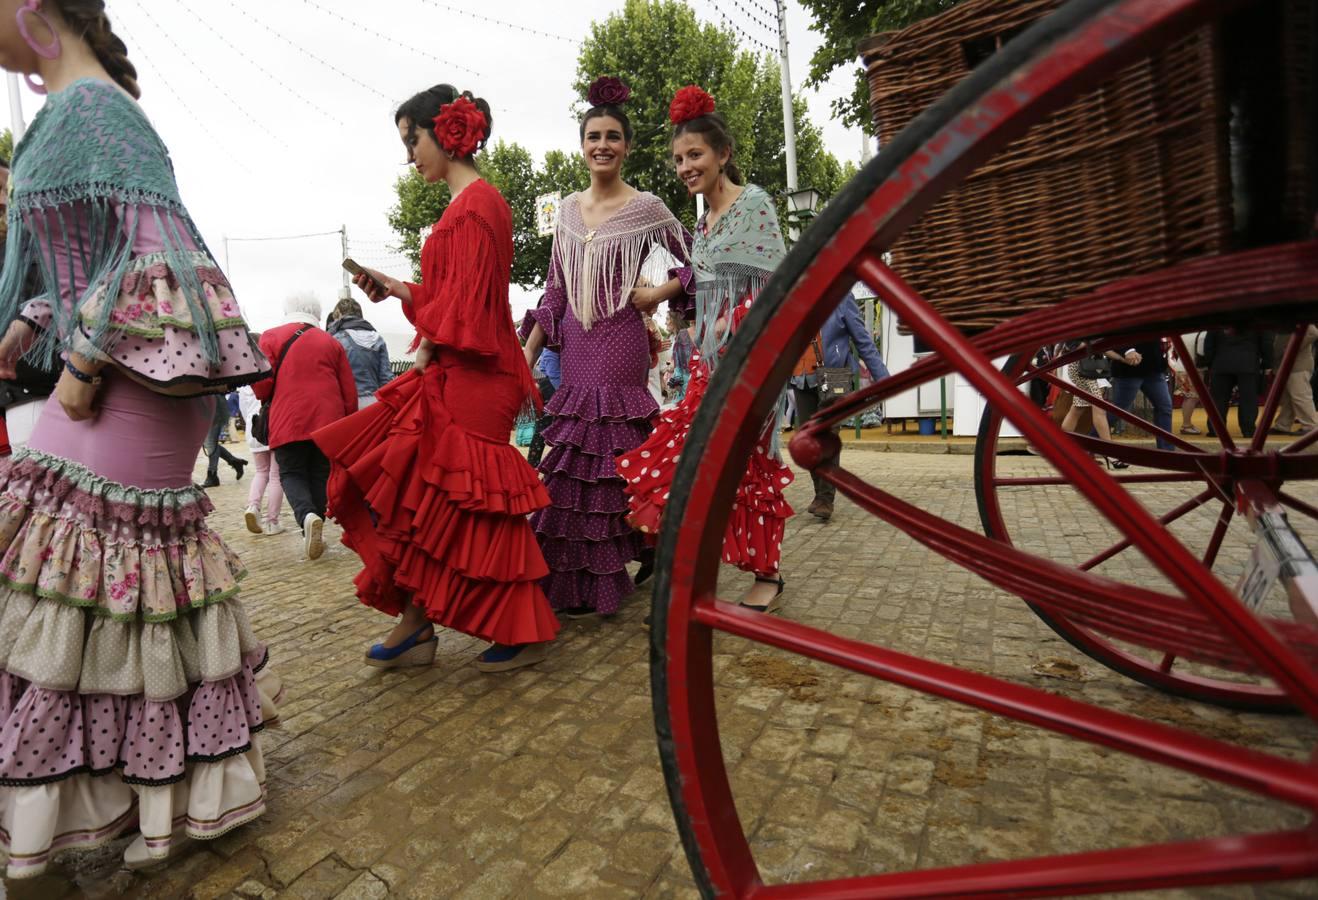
(15, 343)
(425, 352)
(378, 286)
(78, 397)
(646, 299)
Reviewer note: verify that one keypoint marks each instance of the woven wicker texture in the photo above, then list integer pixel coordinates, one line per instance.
(1130, 178)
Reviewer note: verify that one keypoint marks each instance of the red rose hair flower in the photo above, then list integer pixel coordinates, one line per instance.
(690, 103)
(460, 127)
(608, 91)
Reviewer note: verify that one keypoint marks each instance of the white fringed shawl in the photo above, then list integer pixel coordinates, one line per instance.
(600, 266)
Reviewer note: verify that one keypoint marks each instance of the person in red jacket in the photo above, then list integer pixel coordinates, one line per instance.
(313, 387)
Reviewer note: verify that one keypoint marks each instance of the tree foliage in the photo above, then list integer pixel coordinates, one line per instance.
(7, 145)
(510, 168)
(844, 24)
(657, 47)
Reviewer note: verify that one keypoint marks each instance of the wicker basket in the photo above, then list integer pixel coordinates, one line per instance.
(1129, 178)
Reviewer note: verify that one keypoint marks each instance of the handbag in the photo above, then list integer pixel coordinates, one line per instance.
(1095, 368)
(261, 421)
(833, 382)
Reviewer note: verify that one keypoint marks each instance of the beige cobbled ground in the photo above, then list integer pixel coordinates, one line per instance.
(443, 782)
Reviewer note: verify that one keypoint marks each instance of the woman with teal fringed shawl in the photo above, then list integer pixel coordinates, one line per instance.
(131, 683)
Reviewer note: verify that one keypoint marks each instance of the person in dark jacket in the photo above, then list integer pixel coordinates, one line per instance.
(832, 350)
(367, 352)
(215, 450)
(1238, 359)
(312, 387)
(1142, 368)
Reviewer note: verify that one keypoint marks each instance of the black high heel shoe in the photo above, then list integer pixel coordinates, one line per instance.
(646, 571)
(776, 602)
(1115, 463)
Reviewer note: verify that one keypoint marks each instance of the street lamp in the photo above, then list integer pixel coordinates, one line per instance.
(802, 204)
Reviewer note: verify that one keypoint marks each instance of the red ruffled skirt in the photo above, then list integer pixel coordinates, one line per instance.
(754, 539)
(437, 511)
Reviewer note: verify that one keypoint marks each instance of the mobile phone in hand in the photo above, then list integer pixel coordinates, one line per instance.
(353, 269)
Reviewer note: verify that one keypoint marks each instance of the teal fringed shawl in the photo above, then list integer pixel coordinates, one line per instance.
(90, 172)
(733, 261)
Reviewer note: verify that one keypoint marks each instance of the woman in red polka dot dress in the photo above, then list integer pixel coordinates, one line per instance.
(738, 244)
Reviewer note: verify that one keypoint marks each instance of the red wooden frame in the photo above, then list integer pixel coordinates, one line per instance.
(686, 716)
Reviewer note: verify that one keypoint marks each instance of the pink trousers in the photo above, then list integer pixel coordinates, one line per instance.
(266, 482)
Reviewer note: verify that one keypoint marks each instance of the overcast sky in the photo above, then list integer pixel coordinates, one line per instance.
(279, 114)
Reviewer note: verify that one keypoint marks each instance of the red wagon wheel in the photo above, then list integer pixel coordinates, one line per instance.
(1036, 73)
(1194, 490)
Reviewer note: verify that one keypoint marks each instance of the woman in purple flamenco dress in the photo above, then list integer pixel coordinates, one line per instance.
(592, 314)
(131, 682)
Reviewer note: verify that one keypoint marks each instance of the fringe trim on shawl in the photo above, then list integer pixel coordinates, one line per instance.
(612, 254)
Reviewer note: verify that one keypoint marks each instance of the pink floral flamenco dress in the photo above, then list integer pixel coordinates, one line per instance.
(132, 684)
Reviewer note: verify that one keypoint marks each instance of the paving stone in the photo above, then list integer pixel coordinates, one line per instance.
(443, 782)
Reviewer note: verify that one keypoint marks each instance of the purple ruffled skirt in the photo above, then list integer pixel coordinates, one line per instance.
(584, 534)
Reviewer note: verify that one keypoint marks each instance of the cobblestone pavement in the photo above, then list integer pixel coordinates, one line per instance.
(545, 782)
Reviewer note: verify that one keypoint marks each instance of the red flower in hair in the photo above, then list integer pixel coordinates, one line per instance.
(460, 127)
(608, 91)
(690, 103)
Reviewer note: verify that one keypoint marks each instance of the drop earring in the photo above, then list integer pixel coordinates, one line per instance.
(46, 51)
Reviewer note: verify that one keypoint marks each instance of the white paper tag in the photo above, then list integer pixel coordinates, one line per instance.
(1262, 573)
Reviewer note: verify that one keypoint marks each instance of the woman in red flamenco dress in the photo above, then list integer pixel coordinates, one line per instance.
(737, 246)
(425, 482)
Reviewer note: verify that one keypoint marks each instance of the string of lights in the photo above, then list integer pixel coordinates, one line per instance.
(303, 50)
(140, 50)
(770, 24)
(263, 70)
(771, 13)
(493, 21)
(244, 111)
(284, 237)
(741, 32)
(358, 26)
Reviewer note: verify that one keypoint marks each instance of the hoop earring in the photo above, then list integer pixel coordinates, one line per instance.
(46, 51)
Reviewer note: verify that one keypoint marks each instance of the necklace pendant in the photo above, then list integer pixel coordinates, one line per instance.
(590, 236)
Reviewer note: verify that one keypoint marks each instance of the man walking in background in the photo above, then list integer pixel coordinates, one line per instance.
(831, 349)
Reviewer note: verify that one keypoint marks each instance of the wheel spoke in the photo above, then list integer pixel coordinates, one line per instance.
(1302, 443)
(1166, 519)
(1219, 533)
(1297, 504)
(1216, 417)
(1279, 377)
(1287, 780)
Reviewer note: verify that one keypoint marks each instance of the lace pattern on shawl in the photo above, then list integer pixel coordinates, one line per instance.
(88, 174)
(594, 261)
(733, 262)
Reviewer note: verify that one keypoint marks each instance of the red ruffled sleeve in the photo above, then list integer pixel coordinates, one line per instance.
(462, 302)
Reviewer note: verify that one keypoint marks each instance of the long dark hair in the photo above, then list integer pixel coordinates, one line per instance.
(88, 18)
(613, 110)
(422, 109)
(714, 131)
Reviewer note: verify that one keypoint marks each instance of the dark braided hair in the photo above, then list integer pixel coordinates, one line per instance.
(422, 109)
(714, 130)
(88, 19)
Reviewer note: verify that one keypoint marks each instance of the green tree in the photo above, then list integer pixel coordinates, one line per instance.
(844, 24)
(511, 169)
(657, 47)
(7, 144)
